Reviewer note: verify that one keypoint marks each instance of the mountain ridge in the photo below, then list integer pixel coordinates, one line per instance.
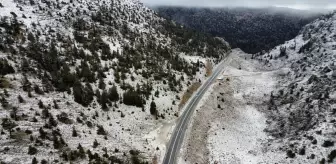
(252, 30)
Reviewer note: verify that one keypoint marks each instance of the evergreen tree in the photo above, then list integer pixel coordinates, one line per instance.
(104, 99)
(5, 68)
(34, 161)
(21, 100)
(133, 98)
(101, 84)
(32, 150)
(83, 94)
(44, 161)
(113, 94)
(56, 105)
(56, 143)
(52, 121)
(74, 132)
(101, 130)
(40, 104)
(43, 134)
(81, 151)
(153, 110)
(95, 143)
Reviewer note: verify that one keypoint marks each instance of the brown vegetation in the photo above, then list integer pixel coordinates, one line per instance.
(186, 96)
(208, 68)
(4, 83)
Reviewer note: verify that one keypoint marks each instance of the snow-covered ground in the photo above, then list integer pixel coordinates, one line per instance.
(237, 134)
(228, 127)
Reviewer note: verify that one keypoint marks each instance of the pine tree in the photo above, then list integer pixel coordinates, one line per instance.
(65, 156)
(43, 161)
(56, 143)
(104, 99)
(83, 94)
(95, 143)
(101, 84)
(153, 110)
(40, 104)
(5, 68)
(21, 100)
(74, 132)
(101, 130)
(81, 151)
(113, 94)
(34, 161)
(116, 76)
(43, 134)
(56, 105)
(32, 150)
(52, 121)
(38, 90)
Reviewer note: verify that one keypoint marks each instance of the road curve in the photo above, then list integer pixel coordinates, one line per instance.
(176, 139)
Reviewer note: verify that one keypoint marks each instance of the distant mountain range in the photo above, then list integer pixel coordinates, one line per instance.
(251, 29)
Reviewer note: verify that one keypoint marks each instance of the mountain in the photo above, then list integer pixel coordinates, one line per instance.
(89, 80)
(250, 29)
(301, 111)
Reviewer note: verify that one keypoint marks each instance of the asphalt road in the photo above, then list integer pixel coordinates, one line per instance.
(176, 139)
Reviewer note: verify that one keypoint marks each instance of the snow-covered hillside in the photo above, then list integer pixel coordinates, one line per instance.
(86, 80)
(271, 107)
(301, 112)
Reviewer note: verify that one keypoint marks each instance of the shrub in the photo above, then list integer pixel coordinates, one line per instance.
(290, 154)
(8, 124)
(63, 117)
(32, 150)
(81, 151)
(34, 161)
(101, 130)
(5, 68)
(302, 151)
(95, 144)
(21, 100)
(40, 104)
(4, 83)
(52, 121)
(322, 161)
(328, 144)
(332, 156)
(38, 90)
(43, 161)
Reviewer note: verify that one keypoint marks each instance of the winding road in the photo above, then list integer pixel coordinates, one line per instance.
(176, 139)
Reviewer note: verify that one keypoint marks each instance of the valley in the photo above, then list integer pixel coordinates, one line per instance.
(114, 82)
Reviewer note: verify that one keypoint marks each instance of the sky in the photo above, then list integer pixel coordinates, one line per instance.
(296, 4)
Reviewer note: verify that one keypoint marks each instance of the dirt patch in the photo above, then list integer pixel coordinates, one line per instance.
(186, 96)
(208, 68)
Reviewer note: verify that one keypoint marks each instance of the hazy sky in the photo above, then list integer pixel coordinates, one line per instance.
(298, 4)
